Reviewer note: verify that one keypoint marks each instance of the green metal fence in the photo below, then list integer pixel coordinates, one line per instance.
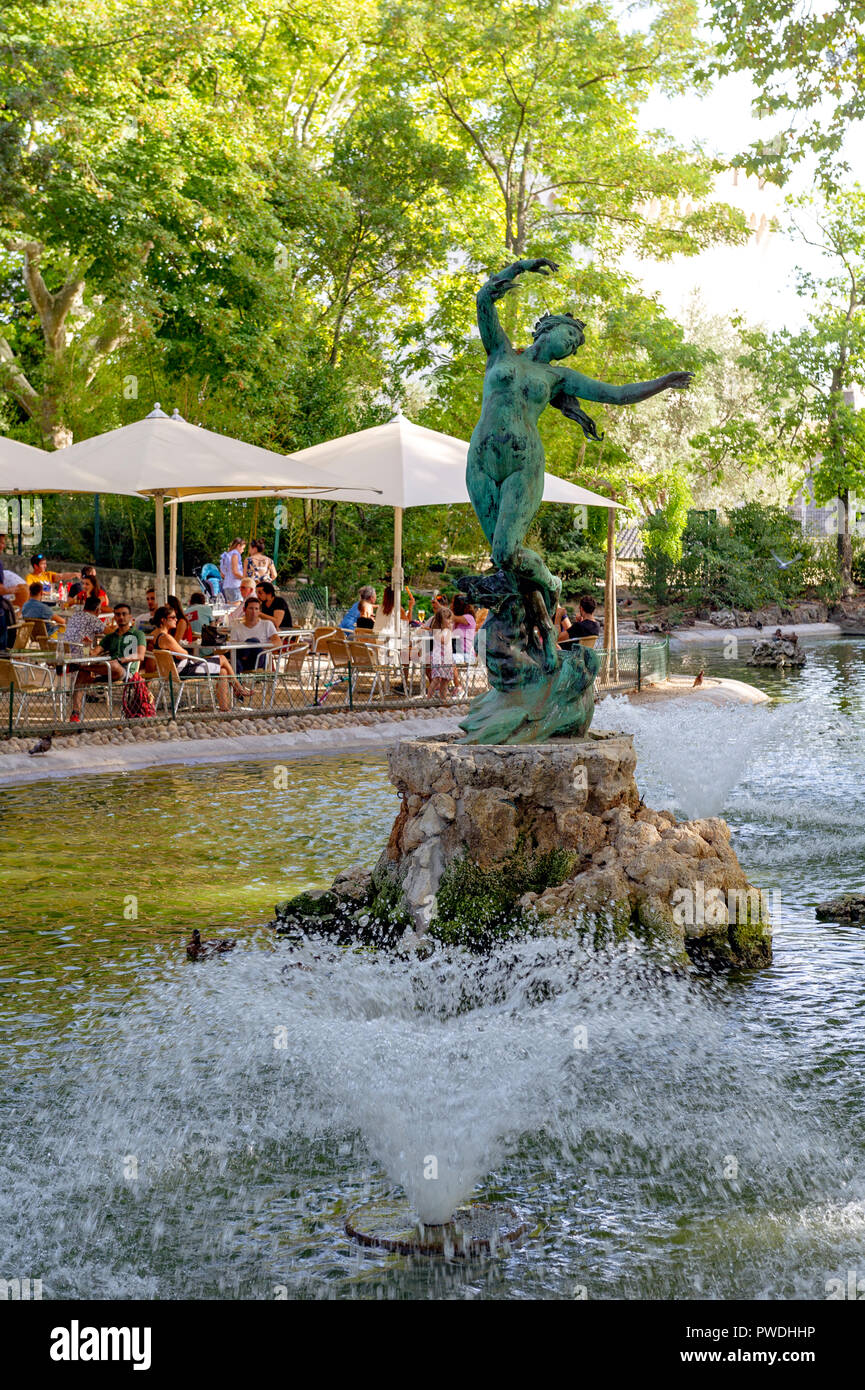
(34, 698)
(636, 662)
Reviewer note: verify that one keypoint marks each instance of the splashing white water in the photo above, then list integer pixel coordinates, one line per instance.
(700, 751)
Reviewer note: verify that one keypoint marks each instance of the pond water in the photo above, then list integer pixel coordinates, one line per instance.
(178, 1130)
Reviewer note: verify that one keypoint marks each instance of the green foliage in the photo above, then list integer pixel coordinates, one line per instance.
(477, 907)
(730, 564)
(806, 64)
(276, 219)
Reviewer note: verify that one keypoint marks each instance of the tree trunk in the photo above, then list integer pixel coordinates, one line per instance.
(845, 543)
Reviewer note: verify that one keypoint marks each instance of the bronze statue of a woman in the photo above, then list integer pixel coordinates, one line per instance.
(505, 471)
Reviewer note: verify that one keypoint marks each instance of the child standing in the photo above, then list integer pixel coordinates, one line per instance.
(442, 656)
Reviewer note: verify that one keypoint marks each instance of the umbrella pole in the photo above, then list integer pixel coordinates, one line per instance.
(172, 549)
(159, 502)
(396, 575)
(611, 621)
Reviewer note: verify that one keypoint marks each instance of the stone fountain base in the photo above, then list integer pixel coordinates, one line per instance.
(493, 841)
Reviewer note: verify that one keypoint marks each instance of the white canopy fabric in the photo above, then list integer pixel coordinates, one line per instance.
(408, 466)
(25, 469)
(175, 459)
(164, 457)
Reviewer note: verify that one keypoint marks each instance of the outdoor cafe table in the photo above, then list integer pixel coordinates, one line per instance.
(64, 661)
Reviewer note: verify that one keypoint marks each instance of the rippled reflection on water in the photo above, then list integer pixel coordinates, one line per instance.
(256, 1104)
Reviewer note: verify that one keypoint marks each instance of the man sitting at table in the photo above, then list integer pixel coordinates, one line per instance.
(247, 590)
(254, 631)
(83, 626)
(125, 647)
(145, 620)
(272, 606)
(35, 608)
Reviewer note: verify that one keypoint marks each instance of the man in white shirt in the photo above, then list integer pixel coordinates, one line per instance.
(256, 632)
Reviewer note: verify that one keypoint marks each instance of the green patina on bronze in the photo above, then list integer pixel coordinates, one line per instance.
(537, 689)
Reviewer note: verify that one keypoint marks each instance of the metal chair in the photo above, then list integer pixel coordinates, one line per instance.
(364, 668)
(173, 687)
(27, 679)
(293, 664)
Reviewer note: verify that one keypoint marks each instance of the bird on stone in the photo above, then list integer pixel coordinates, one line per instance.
(698, 679)
(197, 949)
(785, 564)
(42, 745)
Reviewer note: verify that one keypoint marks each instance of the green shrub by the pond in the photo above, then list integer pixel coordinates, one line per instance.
(477, 907)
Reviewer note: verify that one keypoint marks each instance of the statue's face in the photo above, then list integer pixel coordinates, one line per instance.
(562, 340)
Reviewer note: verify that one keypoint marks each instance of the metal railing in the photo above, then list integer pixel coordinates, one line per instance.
(634, 663)
(293, 686)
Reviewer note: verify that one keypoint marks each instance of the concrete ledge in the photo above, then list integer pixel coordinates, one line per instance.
(715, 690)
(94, 759)
(707, 632)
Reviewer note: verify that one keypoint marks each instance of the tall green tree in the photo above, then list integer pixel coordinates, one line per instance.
(809, 377)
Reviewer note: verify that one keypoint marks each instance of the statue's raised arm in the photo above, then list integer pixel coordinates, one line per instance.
(493, 336)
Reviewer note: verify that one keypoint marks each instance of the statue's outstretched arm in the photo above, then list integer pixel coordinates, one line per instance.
(493, 336)
(587, 389)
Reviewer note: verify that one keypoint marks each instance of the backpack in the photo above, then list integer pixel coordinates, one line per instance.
(137, 702)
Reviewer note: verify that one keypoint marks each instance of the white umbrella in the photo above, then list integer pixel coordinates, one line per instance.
(164, 458)
(25, 469)
(409, 466)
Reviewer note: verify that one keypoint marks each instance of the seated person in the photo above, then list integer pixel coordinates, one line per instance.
(164, 624)
(254, 631)
(40, 573)
(585, 626)
(199, 612)
(365, 619)
(35, 608)
(272, 606)
(365, 597)
(124, 646)
(83, 627)
(12, 586)
(247, 590)
(562, 624)
(145, 620)
(89, 585)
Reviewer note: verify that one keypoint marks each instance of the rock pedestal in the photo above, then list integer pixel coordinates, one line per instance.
(490, 842)
(488, 804)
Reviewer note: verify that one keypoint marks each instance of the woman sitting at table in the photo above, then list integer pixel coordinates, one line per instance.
(164, 623)
(183, 632)
(90, 588)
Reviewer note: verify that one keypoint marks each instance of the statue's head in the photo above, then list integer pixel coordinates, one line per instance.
(562, 334)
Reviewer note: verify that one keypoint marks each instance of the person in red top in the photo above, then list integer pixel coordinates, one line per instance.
(90, 587)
